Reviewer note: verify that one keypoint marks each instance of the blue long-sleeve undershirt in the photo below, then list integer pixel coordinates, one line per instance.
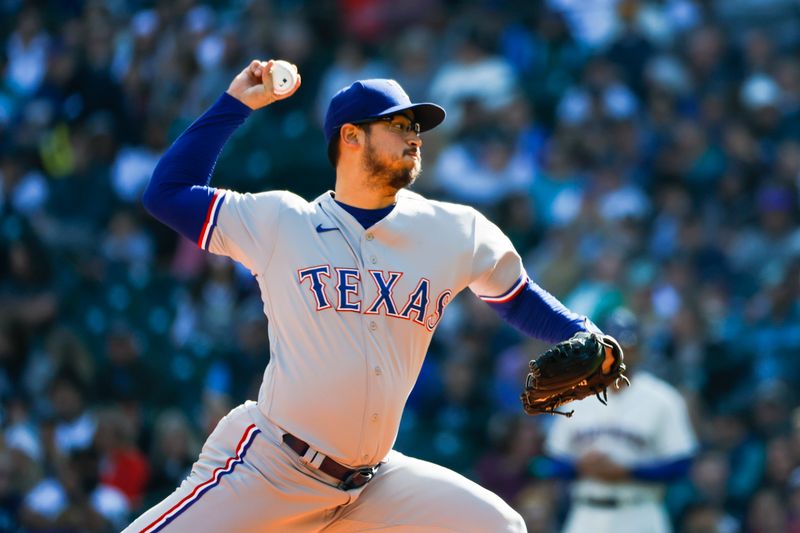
(537, 313)
(656, 471)
(178, 193)
(662, 471)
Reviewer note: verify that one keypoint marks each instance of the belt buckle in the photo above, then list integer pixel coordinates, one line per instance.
(358, 477)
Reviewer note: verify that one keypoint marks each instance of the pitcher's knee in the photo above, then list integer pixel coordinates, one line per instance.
(517, 524)
(501, 519)
(514, 522)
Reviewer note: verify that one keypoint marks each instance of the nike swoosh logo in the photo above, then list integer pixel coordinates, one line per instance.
(320, 229)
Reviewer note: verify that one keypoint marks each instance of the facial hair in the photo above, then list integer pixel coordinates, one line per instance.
(384, 173)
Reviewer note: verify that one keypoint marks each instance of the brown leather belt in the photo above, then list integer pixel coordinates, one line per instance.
(349, 478)
(609, 502)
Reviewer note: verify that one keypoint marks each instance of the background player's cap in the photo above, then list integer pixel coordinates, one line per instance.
(368, 99)
(623, 326)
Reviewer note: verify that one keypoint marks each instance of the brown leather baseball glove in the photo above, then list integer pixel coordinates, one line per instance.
(584, 365)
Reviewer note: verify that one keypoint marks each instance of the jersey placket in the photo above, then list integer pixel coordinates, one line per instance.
(373, 404)
(363, 246)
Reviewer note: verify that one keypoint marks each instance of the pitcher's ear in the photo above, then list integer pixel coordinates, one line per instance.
(352, 135)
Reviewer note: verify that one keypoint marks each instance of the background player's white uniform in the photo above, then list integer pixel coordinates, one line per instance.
(644, 423)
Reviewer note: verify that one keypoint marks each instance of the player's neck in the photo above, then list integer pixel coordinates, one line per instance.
(353, 192)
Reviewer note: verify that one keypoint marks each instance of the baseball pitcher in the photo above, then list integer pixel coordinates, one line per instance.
(354, 284)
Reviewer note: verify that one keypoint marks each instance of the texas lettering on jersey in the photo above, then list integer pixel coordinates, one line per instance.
(347, 284)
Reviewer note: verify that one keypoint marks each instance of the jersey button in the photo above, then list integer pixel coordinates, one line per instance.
(365, 456)
(373, 259)
(378, 371)
(374, 417)
(373, 326)
(370, 236)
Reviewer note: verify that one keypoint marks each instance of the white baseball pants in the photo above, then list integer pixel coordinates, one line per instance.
(248, 480)
(644, 516)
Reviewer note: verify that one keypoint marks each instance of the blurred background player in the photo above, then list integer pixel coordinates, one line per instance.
(621, 456)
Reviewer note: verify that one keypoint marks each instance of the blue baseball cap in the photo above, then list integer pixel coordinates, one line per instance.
(369, 99)
(623, 325)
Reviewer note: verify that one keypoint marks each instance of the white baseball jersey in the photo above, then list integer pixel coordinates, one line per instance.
(352, 311)
(645, 423)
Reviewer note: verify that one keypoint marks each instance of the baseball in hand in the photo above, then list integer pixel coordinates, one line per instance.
(284, 76)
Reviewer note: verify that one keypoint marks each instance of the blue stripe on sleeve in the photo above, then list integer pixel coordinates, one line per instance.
(509, 294)
(537, 313)
(178, 193)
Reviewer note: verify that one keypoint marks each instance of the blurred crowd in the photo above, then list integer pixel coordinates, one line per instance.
(640, 153)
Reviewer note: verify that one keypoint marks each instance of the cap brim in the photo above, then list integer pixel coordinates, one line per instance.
(426, 114)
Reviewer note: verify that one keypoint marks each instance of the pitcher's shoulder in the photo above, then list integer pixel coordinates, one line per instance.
(416, 201)
(287, 200)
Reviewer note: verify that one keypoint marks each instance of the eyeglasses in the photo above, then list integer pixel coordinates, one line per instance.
(399, 124)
